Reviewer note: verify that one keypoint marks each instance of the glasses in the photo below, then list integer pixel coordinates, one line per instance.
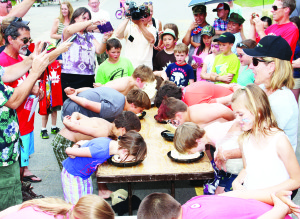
(256, 61)
(4, 1)
(216, 46)
(26, 40)
(240, 55)
(147, 3)
(275, 7)
(241, 45)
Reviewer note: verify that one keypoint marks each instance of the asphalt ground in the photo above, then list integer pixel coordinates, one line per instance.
(42, 162)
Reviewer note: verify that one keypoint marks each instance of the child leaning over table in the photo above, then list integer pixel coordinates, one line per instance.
(84, 159)
(180, 72)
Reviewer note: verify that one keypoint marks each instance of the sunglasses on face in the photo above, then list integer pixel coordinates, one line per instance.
(256, 61)
(240, 55)
(216, 46)
(241, 45)
(275, 7)
(147, 3)
(26, 40)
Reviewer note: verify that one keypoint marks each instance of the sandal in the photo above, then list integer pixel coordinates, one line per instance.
(30, 179)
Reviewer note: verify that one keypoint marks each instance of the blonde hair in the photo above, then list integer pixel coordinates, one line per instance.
(87, 207)
(4, 24)
(144, 73)
(186, 135)
(180, 48)
(283, 74)
(70, 8)
(256, 101)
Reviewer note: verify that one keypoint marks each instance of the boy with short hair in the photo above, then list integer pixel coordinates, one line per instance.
(226, 65)
(166, 56)
(201, 114)
(180, 72)
(141, 75)
(220, 24)
(114, 66)
(235, 26)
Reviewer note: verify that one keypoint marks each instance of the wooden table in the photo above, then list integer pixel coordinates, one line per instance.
(157, 166)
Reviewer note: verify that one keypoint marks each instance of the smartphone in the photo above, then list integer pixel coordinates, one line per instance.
(105, 27)
(72, 38)
(45, 46)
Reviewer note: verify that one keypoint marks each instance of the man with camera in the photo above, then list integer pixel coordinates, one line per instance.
(139, 35)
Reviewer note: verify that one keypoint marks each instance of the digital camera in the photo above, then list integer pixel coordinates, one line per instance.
(135, 12)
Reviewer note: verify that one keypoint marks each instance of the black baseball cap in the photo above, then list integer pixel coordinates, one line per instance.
(226, 37)
(271, 46)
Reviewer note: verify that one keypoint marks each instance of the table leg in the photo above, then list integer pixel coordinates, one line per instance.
(173, 188)
(129, 199)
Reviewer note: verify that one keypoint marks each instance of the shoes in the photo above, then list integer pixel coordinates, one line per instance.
(44, 134)
(27, 192)
(30, 179)
(55, 130)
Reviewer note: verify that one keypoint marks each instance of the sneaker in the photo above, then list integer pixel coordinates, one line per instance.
(55, 130)
(44, 134)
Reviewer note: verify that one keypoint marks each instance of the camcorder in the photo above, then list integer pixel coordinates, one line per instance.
(135, 12)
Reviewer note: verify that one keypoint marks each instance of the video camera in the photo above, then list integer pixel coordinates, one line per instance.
(135, 12)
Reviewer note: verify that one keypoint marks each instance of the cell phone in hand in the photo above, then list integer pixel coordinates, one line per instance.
(45, 46)
(72, 38)
(105, 27)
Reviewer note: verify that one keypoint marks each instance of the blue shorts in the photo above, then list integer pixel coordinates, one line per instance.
(226, 180)
(27, 149)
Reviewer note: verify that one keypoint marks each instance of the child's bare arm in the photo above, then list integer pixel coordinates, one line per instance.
(162, 74)
(78, 152)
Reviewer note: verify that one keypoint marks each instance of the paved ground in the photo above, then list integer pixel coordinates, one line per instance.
(42, 162)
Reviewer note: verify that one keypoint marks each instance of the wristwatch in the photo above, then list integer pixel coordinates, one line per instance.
(216, 77)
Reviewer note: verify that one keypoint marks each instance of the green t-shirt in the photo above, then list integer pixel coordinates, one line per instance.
(246, 77)
(108, 71)
(227, 64)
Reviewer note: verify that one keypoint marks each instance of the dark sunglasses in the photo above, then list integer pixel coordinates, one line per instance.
(275, 7)
(256, 61)
(4, 1)
(240, 55)
(26, 40)
(241, 45)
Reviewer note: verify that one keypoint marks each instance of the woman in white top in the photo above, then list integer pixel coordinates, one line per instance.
(270, 164)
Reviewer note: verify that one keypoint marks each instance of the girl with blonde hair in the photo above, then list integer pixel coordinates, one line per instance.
(88, 207)
(270, 164)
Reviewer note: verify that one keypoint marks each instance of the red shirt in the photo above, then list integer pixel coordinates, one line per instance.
(287, 31)
(23, 114)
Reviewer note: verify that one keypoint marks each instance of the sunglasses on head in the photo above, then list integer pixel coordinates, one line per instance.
(26, 40)
(255, 61)
(275, 7)
(241, 45)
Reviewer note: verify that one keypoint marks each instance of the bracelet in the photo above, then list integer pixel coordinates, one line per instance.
(216, 77)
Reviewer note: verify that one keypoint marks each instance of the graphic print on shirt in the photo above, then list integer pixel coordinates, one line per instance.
(118, 73)
(178, 76)
(222, 69)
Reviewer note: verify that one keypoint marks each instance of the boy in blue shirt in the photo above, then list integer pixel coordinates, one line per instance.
(180, 72)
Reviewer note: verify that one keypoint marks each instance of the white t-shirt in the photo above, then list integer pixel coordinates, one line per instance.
(139, 51)
(100, 15)
(238, 39)
(209, 61)
(285, 110)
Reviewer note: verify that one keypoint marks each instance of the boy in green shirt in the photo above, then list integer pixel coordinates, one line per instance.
(226, 65)
(114, 66)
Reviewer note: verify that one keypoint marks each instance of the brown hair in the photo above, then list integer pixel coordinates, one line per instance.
(186, 135)
(291, 4)
(249, 44)
(169, 107)
(159, 205)
(135, 144)
(172, 27)
(144, 73)
(167, 90)
(139, 98)
(256, 101)
(283, 74)
(180, 48)
(70, 8)
(87, 207)
(128, 120)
